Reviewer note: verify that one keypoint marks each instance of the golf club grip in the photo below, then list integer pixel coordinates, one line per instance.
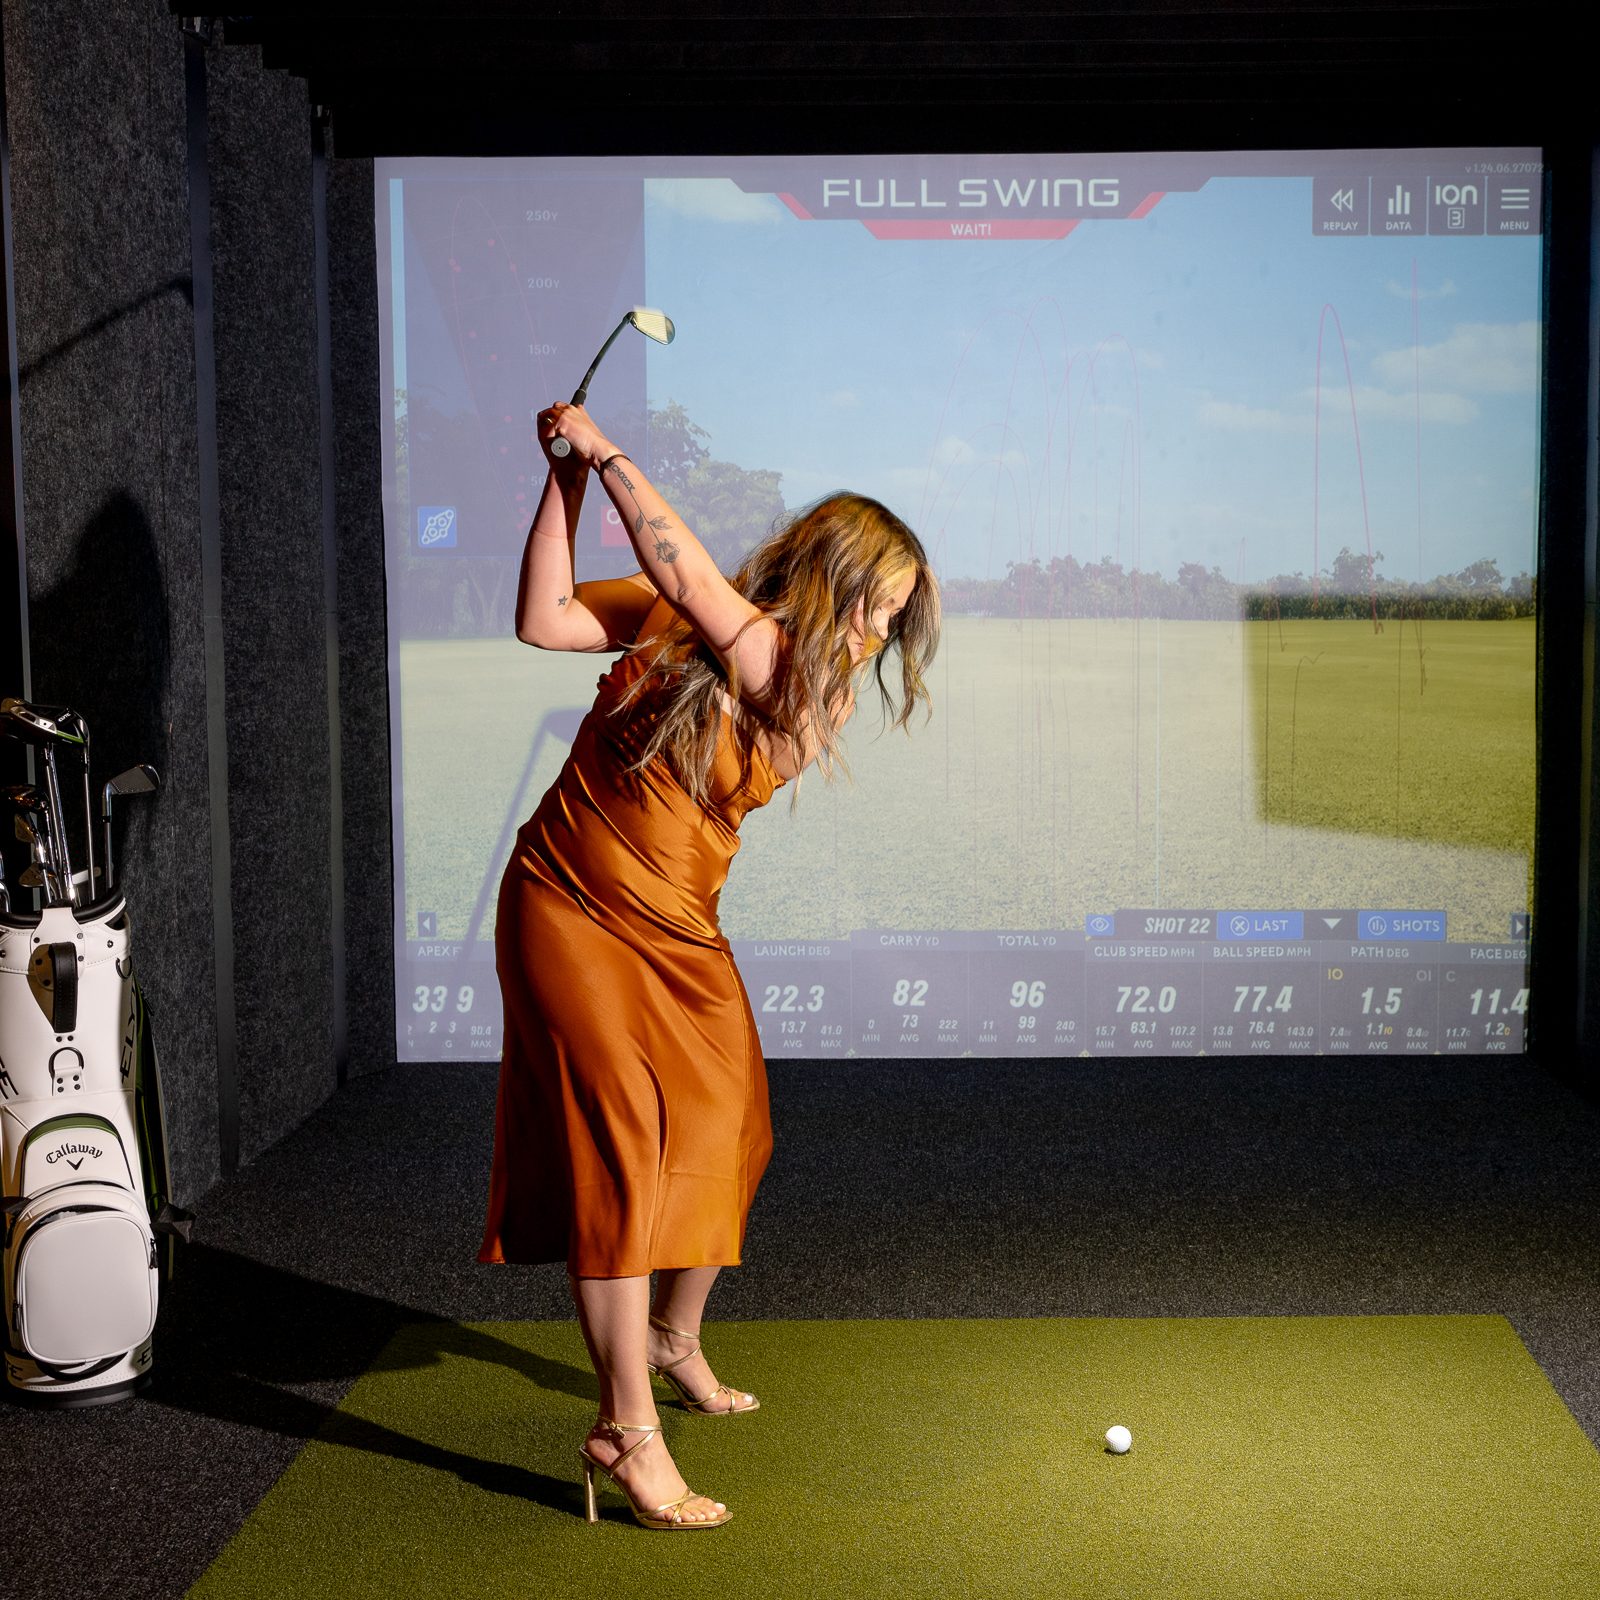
(562, 447)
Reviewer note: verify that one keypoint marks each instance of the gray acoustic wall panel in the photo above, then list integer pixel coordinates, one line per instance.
(105, 334)
(363, 631)
(274, 623)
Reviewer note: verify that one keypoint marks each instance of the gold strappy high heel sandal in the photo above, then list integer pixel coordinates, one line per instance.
(666, 1517)
(665, 1371)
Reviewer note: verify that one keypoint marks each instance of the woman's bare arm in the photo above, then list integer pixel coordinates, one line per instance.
(675, 561)
(555, 613)
(544, 587)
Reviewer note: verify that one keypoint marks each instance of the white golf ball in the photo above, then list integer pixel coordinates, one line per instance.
(1118, 1440)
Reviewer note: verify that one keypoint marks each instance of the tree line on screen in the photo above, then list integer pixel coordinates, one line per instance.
(470, 591)
(1349, 589)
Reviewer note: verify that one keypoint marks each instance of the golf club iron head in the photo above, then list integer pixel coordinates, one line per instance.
(652, 324)
(142, 779)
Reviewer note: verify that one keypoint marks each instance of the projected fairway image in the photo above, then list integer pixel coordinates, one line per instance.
(1170, 764)
(1234, 520)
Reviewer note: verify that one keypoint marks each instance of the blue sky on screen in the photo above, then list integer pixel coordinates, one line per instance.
(1143, 389)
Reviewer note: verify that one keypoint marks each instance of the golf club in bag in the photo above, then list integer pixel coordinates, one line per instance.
(83, 1160)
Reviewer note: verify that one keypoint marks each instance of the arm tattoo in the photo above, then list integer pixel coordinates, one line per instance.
(666, 551)
(561, 599)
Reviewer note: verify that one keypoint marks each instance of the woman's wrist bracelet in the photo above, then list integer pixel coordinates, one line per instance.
(618, 455)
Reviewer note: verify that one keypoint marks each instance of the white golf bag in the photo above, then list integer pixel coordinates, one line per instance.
(83, 1168)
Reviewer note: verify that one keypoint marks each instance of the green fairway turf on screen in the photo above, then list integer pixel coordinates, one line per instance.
(1424, 730)
(1293, 1456)
(1070, 767)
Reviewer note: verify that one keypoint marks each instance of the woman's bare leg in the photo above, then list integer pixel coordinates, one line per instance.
(612, 1313)
(680, 1302)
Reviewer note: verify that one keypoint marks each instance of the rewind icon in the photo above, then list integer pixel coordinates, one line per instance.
(1339, 206)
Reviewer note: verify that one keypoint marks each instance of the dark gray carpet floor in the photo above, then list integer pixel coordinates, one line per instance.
(946, 1189)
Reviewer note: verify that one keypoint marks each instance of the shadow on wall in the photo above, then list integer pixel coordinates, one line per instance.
(100, 642)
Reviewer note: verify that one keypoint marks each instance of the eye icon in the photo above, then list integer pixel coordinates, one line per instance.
(1099, 926)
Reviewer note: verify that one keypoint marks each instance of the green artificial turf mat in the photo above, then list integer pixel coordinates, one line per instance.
(1273, 1456)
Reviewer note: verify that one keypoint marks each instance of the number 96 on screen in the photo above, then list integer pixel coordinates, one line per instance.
(1025, 1003)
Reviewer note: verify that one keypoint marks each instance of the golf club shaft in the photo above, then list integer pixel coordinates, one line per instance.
(105, 837)
(58, 828)
(561, 447)
(88, 823)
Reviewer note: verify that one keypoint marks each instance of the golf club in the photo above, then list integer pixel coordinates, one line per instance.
(651, 323)
(58, 825)
(37, 874)
(36, 835)
(142, 779)
(71, 722)
(42, 727)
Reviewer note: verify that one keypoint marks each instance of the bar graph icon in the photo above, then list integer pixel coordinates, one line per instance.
(1399, 203)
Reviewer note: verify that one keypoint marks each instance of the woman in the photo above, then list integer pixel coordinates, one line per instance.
(632, 1127)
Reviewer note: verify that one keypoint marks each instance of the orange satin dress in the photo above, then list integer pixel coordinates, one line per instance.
(632, 1125)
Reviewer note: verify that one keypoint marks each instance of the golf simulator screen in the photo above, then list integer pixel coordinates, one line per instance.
(1228, 465)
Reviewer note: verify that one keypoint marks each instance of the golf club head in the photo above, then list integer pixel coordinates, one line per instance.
(653, 324)
(32, 878)
(71, 724)
(25, 831)
(142, 779)
(41, 725)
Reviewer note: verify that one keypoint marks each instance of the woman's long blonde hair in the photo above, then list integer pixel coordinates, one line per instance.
(808, 576)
